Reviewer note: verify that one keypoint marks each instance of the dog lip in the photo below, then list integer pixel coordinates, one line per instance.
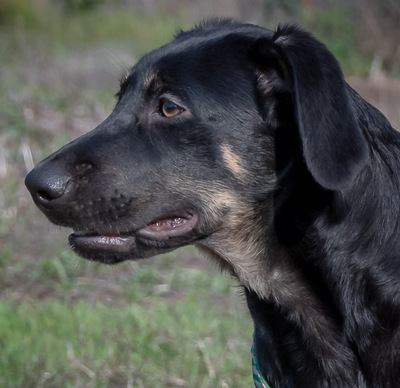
(115, 243)
(168, 227)
(161, 229)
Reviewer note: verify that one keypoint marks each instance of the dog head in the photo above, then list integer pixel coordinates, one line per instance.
(194, 152)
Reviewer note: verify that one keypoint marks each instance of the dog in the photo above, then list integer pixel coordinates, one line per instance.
(249, 144)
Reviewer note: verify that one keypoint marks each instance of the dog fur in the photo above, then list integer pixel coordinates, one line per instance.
(249, 144)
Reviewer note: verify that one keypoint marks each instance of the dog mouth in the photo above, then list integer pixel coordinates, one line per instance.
(161, 231)
(168, 227)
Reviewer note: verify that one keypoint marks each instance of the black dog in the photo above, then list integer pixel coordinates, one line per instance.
(250, 145)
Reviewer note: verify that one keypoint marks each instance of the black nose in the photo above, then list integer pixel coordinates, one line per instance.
(47, 184)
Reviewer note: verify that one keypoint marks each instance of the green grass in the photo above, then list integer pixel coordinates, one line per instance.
(52, 30)
(70, 345)
(335, 28)
(156, 325)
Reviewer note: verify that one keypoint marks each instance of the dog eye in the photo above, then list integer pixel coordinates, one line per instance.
(169, 108)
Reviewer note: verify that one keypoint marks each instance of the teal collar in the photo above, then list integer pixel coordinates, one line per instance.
(259, 381)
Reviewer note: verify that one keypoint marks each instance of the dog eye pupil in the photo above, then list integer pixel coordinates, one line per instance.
(169, 109)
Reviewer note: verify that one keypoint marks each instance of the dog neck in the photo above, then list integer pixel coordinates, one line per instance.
(291, 311)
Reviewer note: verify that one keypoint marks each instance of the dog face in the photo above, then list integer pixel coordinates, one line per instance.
(203, 132)
(179, 157)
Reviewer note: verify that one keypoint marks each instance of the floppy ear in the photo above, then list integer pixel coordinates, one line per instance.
(334, 147)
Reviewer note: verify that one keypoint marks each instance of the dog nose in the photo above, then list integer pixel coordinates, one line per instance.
(47, 185)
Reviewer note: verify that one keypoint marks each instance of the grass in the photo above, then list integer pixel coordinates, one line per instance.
(56, 344)
(187, 343)
(335, 28)
(140, 326)
(111, 344)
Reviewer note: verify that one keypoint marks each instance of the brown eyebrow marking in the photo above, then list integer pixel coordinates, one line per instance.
(151, 80)
(154, 84)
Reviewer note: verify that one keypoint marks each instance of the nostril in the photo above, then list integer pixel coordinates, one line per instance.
(51, 189)
(50, 194)
(45, 195)
(46, 186)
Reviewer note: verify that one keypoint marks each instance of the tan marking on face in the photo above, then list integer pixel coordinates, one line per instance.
(243, 242)
(215, 196)
(216, 200)
(232, 161)
(237, 240)
(240, 242)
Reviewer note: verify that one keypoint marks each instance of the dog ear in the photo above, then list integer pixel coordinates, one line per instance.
(334, 147)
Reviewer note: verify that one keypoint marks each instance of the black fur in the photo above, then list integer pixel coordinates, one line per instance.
(271, 163)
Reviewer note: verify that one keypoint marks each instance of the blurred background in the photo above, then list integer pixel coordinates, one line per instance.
(172, 321)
